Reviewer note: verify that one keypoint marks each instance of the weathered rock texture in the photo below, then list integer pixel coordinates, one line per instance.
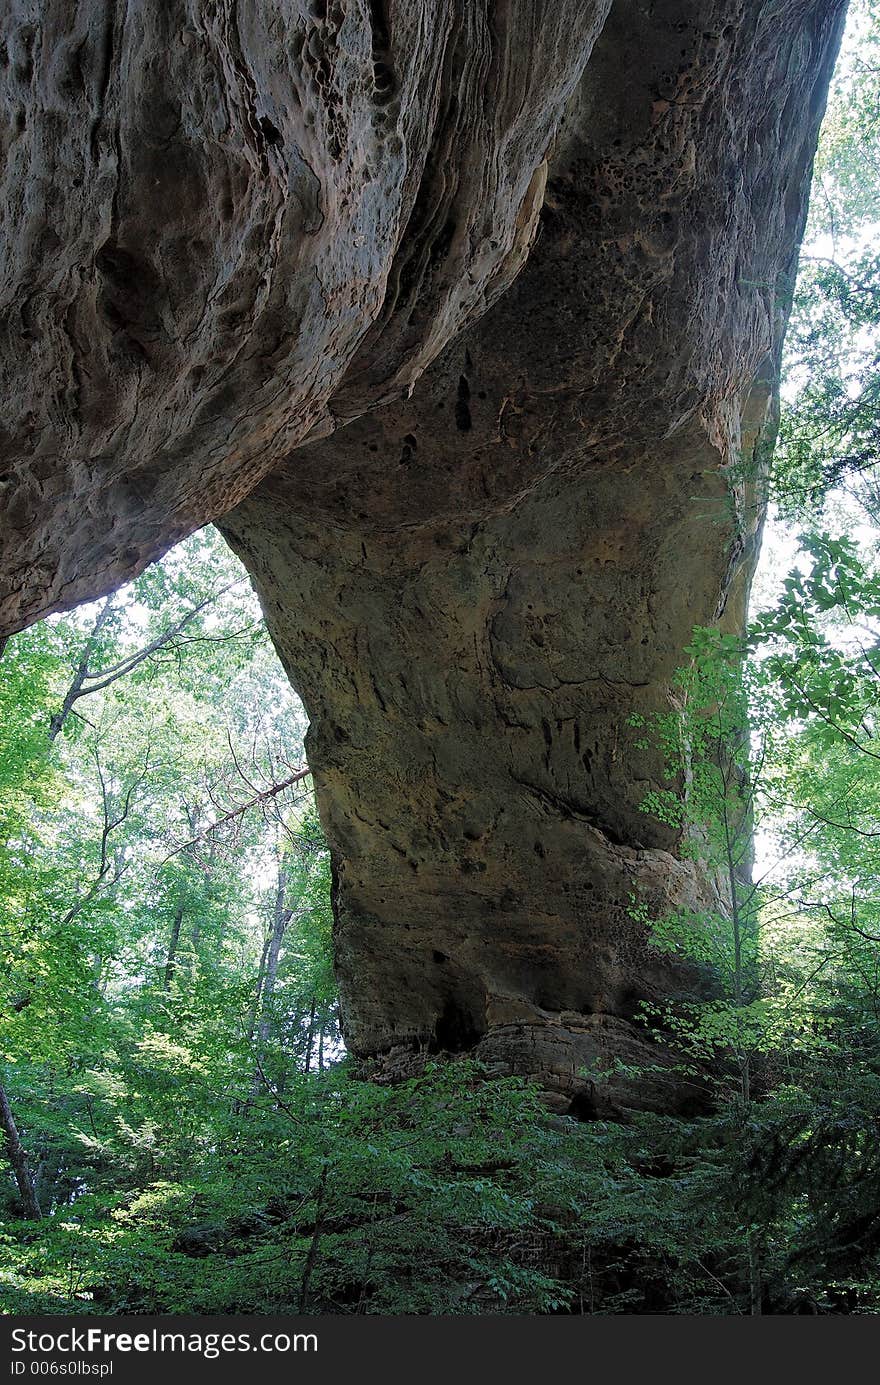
(273, 218)
(216, 216)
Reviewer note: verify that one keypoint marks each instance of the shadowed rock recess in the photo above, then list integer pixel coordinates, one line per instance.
(463, 314)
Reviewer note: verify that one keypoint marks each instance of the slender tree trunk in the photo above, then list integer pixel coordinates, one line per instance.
(743, 993)
(208, 878)
(310, 1038)
(56, 725)
(311, 1258)
(280, 919)
(173, 942)
(19, 1161)
(740, 999)
(321, 1049)
(258, 994)
(738, 923)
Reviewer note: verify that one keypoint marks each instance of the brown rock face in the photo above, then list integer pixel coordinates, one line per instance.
(234, 230)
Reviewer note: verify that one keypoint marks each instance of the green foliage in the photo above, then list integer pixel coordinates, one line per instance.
(829, 428)
(126, 915)
(199, 1147)
(451, 1193)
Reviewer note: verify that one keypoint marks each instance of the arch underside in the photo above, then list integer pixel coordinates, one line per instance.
(483, 505)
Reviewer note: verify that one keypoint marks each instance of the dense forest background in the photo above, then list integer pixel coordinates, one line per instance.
(182, 1128)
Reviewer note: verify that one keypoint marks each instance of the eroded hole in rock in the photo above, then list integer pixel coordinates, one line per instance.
(459, 1028)
(270, 131)
(583, 1107)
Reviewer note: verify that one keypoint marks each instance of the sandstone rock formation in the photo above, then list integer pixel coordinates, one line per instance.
(239, 236)
(215, 213)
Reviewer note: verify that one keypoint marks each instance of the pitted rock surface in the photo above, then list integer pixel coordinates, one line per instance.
(216, 216)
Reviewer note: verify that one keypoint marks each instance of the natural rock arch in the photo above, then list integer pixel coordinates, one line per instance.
(234, 230)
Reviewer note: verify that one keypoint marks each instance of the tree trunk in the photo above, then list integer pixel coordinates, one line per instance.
(208, 879)
(258, 993)
(311, 1258)
(280, 919)
(19, 1161)
(310, 1037)
(171, 962)
(56, 725)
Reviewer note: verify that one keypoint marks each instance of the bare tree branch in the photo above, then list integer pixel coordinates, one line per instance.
(259, 799)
